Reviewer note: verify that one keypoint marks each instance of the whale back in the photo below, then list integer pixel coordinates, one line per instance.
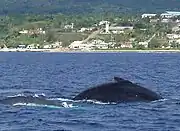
(118, 91)
(118, 79)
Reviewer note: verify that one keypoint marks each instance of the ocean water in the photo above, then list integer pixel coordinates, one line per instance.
(60, 76)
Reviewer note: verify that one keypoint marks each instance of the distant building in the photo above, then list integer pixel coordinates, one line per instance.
(118, 29)
(89, 45)
(176, 29)
(71, 26)
(21, 46)
(32, 46)
(53, 46)
(165, 20)
(86, 29)
(148, 15)
(103, 22)
(24, 32)
(170, 14)
(34, 31)
(126, 45)
(173, 36)
(76, 45)
(145, 44)
(154, 20)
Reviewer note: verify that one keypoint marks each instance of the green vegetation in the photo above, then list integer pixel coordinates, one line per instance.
(54, 27)
(85, 6)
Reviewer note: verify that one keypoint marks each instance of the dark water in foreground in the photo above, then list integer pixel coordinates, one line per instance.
(60, 75)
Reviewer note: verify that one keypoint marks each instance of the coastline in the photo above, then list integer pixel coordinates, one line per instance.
(116, 51)
(67, 50)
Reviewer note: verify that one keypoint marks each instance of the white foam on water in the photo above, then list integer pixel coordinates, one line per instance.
(160, 100)
(77, 101)
(17, 95)
(100, 103)
(61, 99)
(64, 105)
(96, 102)
(39, 95)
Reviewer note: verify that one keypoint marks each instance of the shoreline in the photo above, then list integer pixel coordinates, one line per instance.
(116, 51)
(66, 50)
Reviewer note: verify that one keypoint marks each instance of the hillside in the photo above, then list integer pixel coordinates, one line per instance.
(85, 6)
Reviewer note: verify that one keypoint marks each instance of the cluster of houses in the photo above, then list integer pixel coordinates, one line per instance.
(167, 14)
(32, 31)
(109, 28)
(37, 46)
(90, 45)
(167, 17)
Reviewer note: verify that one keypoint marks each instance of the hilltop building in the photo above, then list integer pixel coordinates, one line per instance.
(148, 15)
(170, 14)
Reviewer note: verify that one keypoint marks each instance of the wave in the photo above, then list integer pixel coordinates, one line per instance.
(64, 105)
(36, 100)
(84, 101)
(62, 99)
(25, 95)
(160, 100)
(41, 100)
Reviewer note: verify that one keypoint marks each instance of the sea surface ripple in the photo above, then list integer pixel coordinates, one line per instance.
(63, 75)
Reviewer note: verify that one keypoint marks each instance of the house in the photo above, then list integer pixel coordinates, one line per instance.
(176, 28)
(145, 44)
(47, 46)
(24, 32)
(154, 20)
(32, 46)
(69, 26)
(89, 45)
(102, 45)
(148, 15)
(117, 29)
(76, 45)
(166, 20)
(127, 45)
(173, 36)
(86, 29)
(121, 28)
(54, 45)
(103, 22)
(31, 32)
(21, 46)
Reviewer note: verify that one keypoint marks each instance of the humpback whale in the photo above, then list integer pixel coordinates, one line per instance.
(120, 90)
(28, 99)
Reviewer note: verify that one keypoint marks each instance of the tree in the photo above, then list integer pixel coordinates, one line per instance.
(154, 43)
(50, 36)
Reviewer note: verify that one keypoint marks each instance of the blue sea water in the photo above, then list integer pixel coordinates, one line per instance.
(63, 75)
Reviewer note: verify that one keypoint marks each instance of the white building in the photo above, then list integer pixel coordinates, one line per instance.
(23, 32)
(145, 44)
(90, 45)
(32, 46)
(127, 45)
(36, 31)
(148, 15)
(170, 14)
(76, 45)
(173, 36)
(69, 26)
(103, 22)
(117, 29)
(86, 29)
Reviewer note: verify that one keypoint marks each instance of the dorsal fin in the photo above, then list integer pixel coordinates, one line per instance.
(118, 79)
